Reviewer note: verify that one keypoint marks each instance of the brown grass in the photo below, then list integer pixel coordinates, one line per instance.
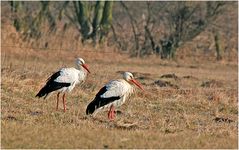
(162, 117)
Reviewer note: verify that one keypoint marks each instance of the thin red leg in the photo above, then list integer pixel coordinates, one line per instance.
(64, 102)
(111, 113)
(57, 102)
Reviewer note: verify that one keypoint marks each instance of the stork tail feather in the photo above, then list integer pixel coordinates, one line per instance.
(50, 87)
(91, 108)
(98, 103)
(42, 92)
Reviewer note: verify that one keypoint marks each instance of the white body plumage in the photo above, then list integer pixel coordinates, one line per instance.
(64, 80)
(112, 95)
(116, 88)
(72, 76)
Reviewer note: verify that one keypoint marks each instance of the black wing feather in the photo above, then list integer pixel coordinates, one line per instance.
(51, 85)
(99, 101)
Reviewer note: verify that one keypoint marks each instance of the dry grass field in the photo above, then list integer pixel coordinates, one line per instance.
(185, 105)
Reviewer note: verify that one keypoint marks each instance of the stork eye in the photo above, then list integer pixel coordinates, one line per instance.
(83, 62)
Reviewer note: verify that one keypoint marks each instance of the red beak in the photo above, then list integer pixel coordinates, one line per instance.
(137, 84)
(86, 68)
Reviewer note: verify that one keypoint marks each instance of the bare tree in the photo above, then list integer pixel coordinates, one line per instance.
(186, 20)
(135, 29)
(152, 28)
(78, 13)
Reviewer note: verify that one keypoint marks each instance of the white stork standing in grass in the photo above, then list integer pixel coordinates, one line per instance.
(112, 95)
(64, 81)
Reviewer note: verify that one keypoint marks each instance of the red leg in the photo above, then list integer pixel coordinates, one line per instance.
(111, 113)
(64, 102)
(57, 102)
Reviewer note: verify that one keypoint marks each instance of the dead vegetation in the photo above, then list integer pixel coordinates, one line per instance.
(190, 116)
(212, 83)
(188, 103)
(161, 83)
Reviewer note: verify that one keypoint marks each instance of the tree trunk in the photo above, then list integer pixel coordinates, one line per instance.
(82, 12)
(106, 19)
(136, 50)
(168, 49)
(218, 46)
(98, 14)
(15, 8)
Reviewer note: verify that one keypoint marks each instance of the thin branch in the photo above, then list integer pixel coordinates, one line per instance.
(133, 24)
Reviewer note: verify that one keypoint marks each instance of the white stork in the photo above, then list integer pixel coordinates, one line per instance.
(64, 81)
(112, 95)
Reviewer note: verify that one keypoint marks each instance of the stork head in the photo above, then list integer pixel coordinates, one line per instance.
(81, 62)
(130, 78)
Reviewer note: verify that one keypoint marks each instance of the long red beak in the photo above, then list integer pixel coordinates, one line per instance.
(137, 84)
(86, 68)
